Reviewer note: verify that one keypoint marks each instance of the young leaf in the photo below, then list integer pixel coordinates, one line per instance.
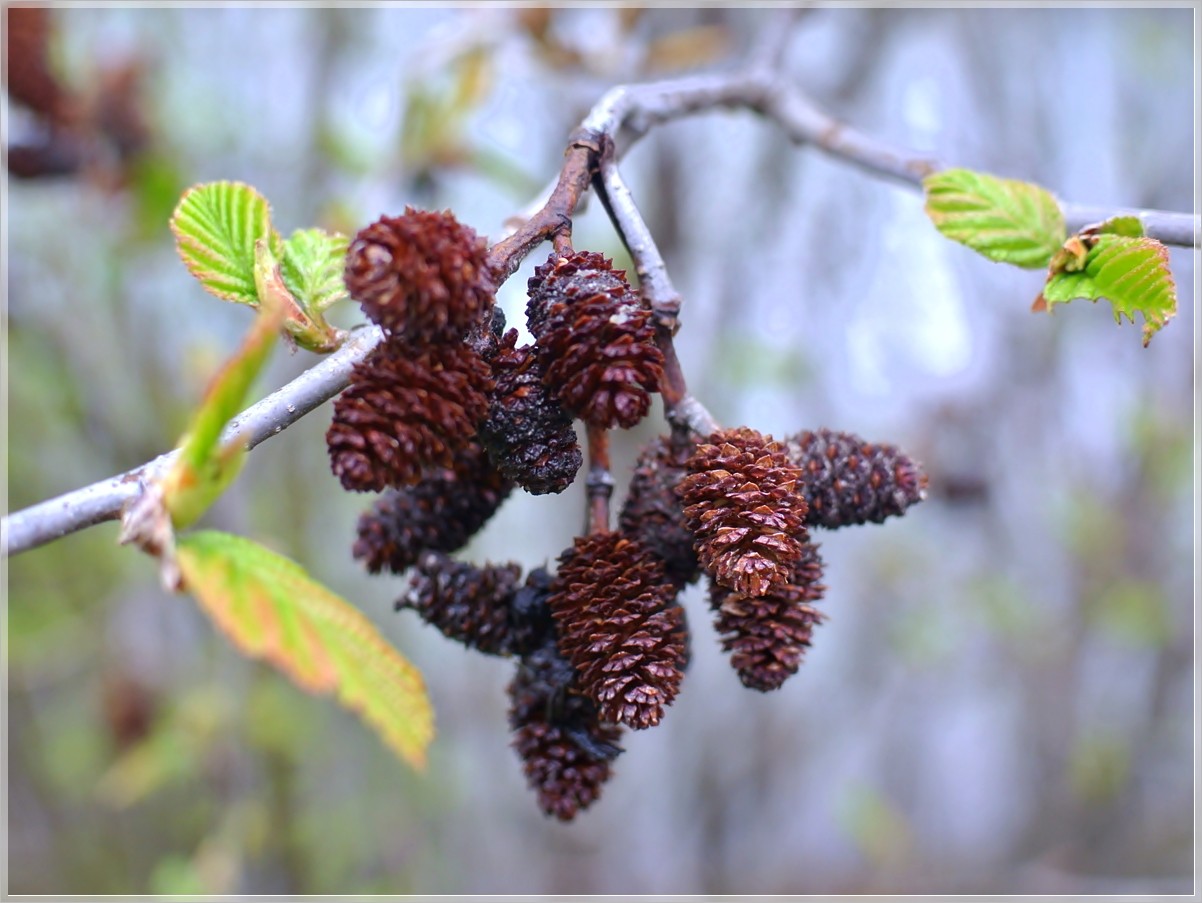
(272, 609)
(1129, 226)
(304, 325)
(202, 471)
(1132, 273)
(312, 267)
(1004, 219)
(216, 226)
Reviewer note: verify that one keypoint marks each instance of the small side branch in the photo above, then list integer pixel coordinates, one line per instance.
(684, 412)
(555, 216)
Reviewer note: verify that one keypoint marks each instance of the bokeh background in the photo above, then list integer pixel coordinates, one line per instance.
(1001, 700)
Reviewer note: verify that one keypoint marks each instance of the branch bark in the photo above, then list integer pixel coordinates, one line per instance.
(684, 412)
(622, 115)
(103, 501)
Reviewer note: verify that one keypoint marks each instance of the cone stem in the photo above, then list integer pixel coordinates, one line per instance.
(600, 483)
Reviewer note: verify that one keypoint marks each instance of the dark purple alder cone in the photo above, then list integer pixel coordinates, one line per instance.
(439, 514)
(652, 512)
(466, 603)
(486, 608)
(527, 431)
(595, 339)
(767, 636)
(618, 625)
(565, 749)
(421, 277)
(406, 410)
(743, 503)
(848, 481)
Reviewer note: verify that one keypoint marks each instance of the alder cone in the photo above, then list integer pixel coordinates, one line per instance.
(653, 515)
(595, 339)
(439, 514)
(618, 625)
(767, 636)
(743, 503)
(527, 431)
(420, 276)
(406, 410)
(466, 603)
(565, 749)
(848, 481)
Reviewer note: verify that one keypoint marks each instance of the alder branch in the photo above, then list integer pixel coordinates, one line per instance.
(629, 112)
(623, 115)
(103, 501)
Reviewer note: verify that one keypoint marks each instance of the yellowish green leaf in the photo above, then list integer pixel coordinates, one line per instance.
(273, 610)
(1004, 219)
(1129, 226)
(216, 225)
(312, 268)
(1131, 273)
(306, 327)
(202, 470)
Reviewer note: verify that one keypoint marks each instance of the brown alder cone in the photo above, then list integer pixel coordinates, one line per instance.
(466, 603)
(652, 512)
(423, 276)
(565, 749)
(743, 503)
(439, 514)
(406, 410)
(848, 481)
(527, 431)
(767, 636)
(618, 625)
(595, 339)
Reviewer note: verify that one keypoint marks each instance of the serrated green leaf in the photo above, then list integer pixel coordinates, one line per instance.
(202, 471)
(312, 267)
(1004, 219)
(1131, 273)
(273, 610)
(307, 327)
(1129, 226)
(216, 225)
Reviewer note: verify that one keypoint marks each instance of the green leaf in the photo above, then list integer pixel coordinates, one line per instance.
(1131, 273)
(273, 610)
(306, 327)
(202, 471)
(1129, 226)
(312, 268)
(216, 226)
(1004, 219)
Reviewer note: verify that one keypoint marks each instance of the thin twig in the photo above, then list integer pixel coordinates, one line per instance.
(654, 281)
(682, 410)
(555, 216)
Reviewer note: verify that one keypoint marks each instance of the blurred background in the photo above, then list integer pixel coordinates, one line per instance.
(1001, 700)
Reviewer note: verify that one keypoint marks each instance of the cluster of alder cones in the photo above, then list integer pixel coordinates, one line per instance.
(449, 414)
